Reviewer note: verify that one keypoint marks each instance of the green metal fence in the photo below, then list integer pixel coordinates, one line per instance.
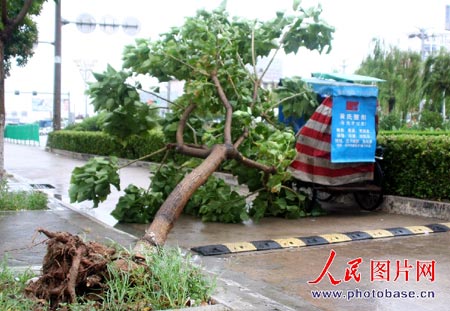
(27, 133)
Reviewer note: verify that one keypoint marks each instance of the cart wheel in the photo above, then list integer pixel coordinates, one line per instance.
(324, 196)
(369, 201)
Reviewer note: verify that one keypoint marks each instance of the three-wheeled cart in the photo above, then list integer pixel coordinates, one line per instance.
(336, 148)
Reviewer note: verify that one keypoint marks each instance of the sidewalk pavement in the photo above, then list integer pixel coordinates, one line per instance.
(275, 279)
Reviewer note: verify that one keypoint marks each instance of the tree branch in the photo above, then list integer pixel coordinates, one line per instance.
(183, 122)
(256, 82)
(268, 120)
(259, 79)
(23, 12)
(241, 139)
(4, 13)
(197, 152)
(230, 79)
(288, 98)
(156, 95)
(228, 107)
(187, 65)
(144, 157)
(275, 53)
(241, 62)
(194, 133)
(253, 164)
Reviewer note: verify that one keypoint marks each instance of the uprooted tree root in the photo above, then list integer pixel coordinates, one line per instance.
(72, 268)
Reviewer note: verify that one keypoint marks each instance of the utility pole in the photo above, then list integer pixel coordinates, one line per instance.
(57, 76)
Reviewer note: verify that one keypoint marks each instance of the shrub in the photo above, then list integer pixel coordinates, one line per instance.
(391, 121)
(430, 119)
(82, 142)
(102, 144)
(417, 165)
(92, 124)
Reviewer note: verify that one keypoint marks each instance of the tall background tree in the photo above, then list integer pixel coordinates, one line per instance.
(402, 70)
(224, 120)
(436, 82)
(18, 34)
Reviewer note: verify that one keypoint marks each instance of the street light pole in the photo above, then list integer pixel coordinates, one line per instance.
(130, 27)
(57, 76)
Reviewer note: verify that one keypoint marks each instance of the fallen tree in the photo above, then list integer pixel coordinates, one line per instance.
(226, 117)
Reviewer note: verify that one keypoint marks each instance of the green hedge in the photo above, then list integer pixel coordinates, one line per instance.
(102, 144)
(417, 165)
(414, 132)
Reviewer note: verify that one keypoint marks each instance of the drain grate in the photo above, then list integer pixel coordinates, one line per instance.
(42, 186)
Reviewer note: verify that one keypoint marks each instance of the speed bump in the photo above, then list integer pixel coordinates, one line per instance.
(399, 231)
(379, 233)
(314, 240)
(323, 239)
(438, 227)
(290, 242)
(336, 237)
(358, 235)
(266, 245)
(419, 229)
(240, 247)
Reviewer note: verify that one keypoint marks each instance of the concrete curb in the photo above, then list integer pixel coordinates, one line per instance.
(416, 207)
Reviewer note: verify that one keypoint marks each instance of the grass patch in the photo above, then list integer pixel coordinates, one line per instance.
(168, 280)
(21, 200)
(12, 289)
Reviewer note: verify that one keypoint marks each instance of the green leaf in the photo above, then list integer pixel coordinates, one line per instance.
(93, 180)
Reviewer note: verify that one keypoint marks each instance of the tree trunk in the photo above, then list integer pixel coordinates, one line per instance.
(168, 213)
(2, 110)
(2, 147)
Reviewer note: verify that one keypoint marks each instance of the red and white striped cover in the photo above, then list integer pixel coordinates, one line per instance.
(313, 164)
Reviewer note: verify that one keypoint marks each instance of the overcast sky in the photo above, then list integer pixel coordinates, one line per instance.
(356, 23)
